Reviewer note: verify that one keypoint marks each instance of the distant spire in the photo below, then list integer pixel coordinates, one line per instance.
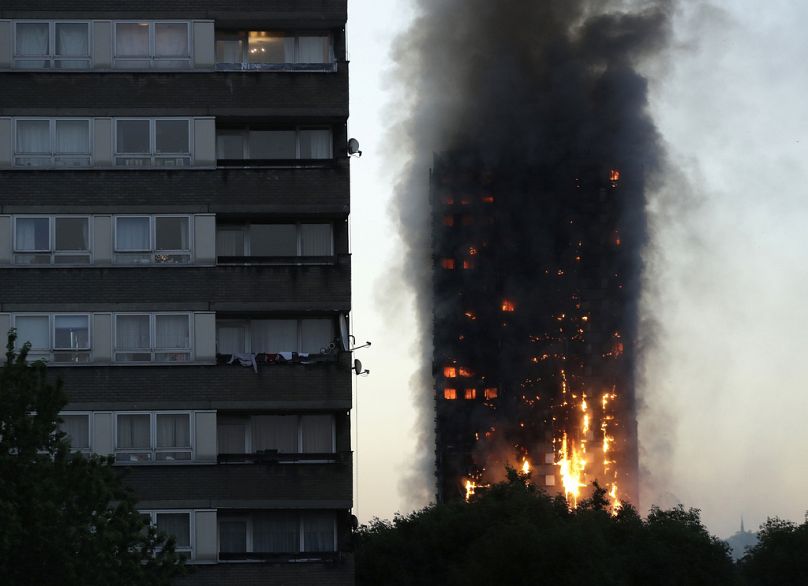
(742, 531)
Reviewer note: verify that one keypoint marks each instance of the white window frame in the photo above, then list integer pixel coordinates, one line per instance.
(152, 59)
(51, 57)
(301, 514)
(248, 322)
(49, 354)
(153, 253)
(89, 415)
(244, 37)
(53, 159)
(191, 549)
(152, 451)
(249, 439)
(52, 252)
(245, 230)
(153, 350)
(245, 141)
(152, 158)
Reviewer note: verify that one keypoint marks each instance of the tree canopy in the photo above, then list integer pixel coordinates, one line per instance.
(65, 519)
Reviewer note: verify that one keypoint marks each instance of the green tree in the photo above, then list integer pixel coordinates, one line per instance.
(515, 534)
(65, 519)
(780, 556)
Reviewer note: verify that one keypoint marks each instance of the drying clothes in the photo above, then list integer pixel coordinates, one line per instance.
(245, 359)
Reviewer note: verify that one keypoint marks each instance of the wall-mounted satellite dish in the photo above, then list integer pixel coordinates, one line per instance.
(353, 148)
(357, 366)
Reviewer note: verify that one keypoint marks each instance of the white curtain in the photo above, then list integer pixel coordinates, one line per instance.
(276, 532)
(173, 431)
(71, 331)
(232, 536)
(176, 524)
(172, 331)
(32, 234)
(231, 438)
(315, 144)
(316, 239)
(133, 432)
(171, 39)
(275, 432)
(71, 39)
(34, 329)
(312, 50)
(316, 335)
(33, 137)
(274, 335)
(132, 332)
(132, 39)
(229, 243)
(318, 530)
(318, 434)
(77, 428)
(72, 136)
(230, 339)
(32, 39)
(132, 234)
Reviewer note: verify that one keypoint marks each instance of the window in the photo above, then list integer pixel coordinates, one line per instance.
(288, 434)
(60, 338)
(51, 240)
(51, 45)
(152, 437)
(277, 532)
(274, 336)
(61, 142)
(152, 239)
(174, 523)
(140, 45)
(273, 50)
(275, 240)
(152, 338)
(267, 145)
(76, 428)
(143, 142)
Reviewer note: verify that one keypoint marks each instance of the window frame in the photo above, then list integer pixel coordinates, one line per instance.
(249, 443)
(51, 58)
(248, 323)
(301, 514)
(152, 157)
(245, 230)
(152, 59)
(153, 350)
(53, 157)
(153, 450)
(52, 252)
(191, 549)
(89, 416)
(245, 142)
(49, 354)
(153, 252)
(245, 64)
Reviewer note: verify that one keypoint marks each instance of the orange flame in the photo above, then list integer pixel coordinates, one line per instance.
(450, 394)
(449, 372)
(508, 306)
(448, 263)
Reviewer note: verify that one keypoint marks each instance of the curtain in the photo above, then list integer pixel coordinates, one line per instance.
(232, 536)
(32, 234)
(316, 335)
(229, 243)
(229, 51)
(270, 48)
(231, 438)
(34, 329)
(77, 428)
(229, 145)
(72, 234)
(72, 136)
(274, 335)
(33, 137)
(275, 432)
(72, 39)
(173, 431)
(171, 233)
(316, 239)
(171, 39)
(318, 531)
(176, 524)
(71, 331)
(230, 339)
(312, 50)
(172, 331)
(318, 434)
(276, 532)
(132, 234)
(133, 431)
(132, 39)
(32, 39)
(315, 144)
(132, 332)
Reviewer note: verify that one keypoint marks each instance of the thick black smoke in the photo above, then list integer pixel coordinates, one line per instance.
(533, 104)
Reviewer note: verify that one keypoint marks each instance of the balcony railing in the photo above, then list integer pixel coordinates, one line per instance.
(275, 457)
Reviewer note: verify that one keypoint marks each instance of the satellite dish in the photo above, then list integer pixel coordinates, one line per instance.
(353, 148)
(357, 366)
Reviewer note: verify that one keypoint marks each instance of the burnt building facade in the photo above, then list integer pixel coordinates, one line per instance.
(174, 200)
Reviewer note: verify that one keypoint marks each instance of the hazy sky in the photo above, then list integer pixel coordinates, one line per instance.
(725, 391)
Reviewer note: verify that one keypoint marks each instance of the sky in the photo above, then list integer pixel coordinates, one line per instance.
(724, 376)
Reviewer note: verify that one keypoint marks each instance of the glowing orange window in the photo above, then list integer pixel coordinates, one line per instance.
(465, 372)
(450, 394)
(491, 393)
(470, 394)
(468, 265)
(508, 305)
(449, 372)
(448, 263)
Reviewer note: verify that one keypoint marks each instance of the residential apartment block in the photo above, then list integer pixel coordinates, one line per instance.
(174, 199)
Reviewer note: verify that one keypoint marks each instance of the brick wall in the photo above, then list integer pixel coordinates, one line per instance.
(340, 573)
